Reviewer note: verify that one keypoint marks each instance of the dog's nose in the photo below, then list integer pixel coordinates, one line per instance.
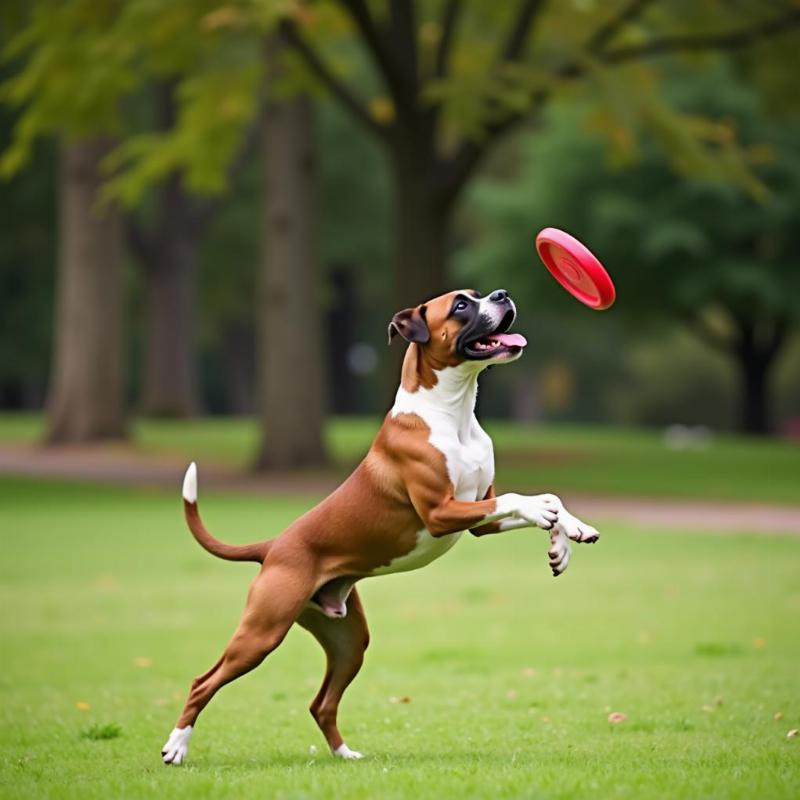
(500, 296)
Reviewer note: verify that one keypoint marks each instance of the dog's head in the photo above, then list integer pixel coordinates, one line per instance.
(462, 327)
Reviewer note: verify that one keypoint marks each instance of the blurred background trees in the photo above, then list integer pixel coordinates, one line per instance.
(209, 230)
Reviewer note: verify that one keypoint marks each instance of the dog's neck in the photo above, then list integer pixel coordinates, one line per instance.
(447, 394)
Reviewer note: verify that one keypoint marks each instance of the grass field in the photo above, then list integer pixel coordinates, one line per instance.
(562, 458)
(110, 609)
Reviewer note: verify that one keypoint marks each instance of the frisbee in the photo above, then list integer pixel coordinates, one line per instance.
(576, 268)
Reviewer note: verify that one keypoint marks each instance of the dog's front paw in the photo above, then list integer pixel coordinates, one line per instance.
(560, 552)
(177, 746)
(542, 511)
(575, 529)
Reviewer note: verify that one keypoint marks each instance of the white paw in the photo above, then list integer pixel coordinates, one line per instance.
(560, 552)
(575, 529)
(542, 510)
(177, 746)
(343, 751)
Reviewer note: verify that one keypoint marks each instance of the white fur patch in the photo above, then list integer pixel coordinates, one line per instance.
(428, 548)
(343, 751)
(177, 746)
(190, 484)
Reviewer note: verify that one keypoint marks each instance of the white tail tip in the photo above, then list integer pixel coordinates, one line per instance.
(190, 484)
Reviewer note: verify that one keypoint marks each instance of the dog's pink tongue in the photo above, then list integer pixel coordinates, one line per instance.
(510, 339)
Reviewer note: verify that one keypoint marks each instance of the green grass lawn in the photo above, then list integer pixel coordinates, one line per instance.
(560, 458)
(110, 609)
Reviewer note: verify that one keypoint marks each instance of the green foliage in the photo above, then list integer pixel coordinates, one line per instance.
(673, 245)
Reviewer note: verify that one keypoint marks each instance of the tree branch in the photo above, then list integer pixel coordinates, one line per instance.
(456, 171)
(403, 39)
(728, 40)
(338, 89)
(381, 54)
(518, 33)
(448, 25)
(606, 32)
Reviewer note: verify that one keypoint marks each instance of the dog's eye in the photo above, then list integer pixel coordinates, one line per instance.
(461, 305)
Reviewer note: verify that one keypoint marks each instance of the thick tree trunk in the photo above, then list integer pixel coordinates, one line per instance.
(420, 228)
(290, 369)
(754, 369)
(87, 389)
(169, 374)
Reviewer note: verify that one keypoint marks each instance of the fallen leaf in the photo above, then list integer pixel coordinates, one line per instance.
(528, 672)
(759, 644)
(402, 699)
(792, 733)
(143, 661)
(81, 706)
(617, 716)
(777, 716)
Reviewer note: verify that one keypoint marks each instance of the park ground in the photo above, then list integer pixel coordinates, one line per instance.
(486, 677)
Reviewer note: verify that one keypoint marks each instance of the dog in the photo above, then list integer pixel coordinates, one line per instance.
(427, 478)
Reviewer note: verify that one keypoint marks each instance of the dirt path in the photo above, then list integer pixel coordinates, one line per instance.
(122, 465)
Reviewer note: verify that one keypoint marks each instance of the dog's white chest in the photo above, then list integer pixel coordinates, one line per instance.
(469, 459)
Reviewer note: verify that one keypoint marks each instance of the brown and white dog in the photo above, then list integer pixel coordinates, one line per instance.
(428, 477)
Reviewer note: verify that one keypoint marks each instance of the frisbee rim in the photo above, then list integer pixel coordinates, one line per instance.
(590, 265)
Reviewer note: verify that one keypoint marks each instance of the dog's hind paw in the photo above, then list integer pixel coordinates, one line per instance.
(177, 746)
(343, 751)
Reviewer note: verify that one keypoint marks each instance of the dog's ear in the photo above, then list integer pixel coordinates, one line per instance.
(411, 325)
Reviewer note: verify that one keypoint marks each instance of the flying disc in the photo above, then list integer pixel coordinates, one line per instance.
(576, 268)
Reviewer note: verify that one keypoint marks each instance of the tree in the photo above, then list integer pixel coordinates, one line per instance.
(167, 251)
(75, 71)
(86, 395)
(693, 248)
(448, 102)
(291, 380)
(86, 399)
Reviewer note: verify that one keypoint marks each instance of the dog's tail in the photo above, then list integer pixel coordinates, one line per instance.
(247, 552)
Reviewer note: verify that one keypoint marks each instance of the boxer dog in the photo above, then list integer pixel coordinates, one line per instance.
(428, 477)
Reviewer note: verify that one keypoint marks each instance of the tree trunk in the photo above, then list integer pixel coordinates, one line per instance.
(289, 366)
(87, 390)
(420, 228)
(170, 374)
(754, 368)
(238, 353)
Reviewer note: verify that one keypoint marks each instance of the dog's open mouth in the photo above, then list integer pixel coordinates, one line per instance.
(497, 343)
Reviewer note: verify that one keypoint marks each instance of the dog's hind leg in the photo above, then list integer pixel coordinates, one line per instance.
(344, 640)
(276, 598)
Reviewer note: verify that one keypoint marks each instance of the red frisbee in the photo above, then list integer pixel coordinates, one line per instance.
(576, 268)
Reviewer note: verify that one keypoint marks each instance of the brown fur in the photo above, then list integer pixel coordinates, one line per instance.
(372, 519)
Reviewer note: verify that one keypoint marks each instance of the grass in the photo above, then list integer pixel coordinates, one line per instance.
(111, 609)
(562, 458)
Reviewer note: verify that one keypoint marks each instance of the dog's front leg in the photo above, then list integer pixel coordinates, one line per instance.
(525, 512)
